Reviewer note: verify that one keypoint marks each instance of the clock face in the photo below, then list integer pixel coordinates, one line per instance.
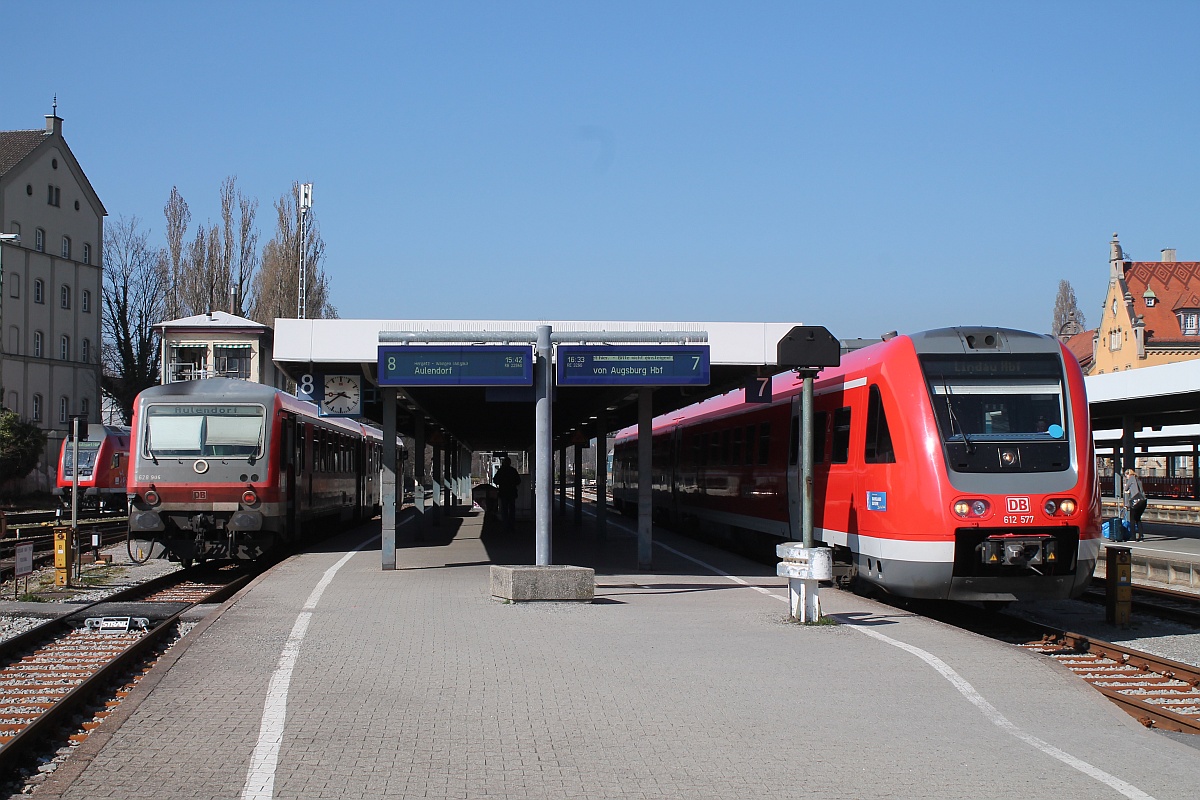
(343, 395)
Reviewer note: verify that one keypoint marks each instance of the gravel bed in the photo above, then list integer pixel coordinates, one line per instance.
(1163, 638)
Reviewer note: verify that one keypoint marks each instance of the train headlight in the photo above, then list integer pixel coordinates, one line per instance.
(249, 497)
(151, 497)
(1067, 506)
(972, 508)
(1008, 458)
(1050, 507)
(1060, 506)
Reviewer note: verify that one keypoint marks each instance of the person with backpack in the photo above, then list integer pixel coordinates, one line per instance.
(1134, 500)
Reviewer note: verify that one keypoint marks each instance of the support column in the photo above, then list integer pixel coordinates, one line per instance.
(806, 459)
(1128, 455)
(418, 460)
(562, 481)
(455, 482)
(388, 485)
(601, 476)
(645, 444)
(438, 481)
(578, 485)
(543, 382)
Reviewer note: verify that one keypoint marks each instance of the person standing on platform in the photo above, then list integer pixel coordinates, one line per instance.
(1134, 500)
(506, 480)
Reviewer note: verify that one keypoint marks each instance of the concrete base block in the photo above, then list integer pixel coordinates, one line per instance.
(522, 584)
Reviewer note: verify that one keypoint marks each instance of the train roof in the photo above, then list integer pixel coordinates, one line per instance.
(233, 390)
(947, 341)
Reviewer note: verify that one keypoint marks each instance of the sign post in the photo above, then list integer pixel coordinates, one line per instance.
(23, 566)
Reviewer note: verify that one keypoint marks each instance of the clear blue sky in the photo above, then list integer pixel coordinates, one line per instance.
(865, 166)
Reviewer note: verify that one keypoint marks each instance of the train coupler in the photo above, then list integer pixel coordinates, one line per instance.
(1019, 551)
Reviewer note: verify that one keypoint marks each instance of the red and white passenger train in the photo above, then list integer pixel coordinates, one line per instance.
(103, 464)
(951, 464)
(228, 469)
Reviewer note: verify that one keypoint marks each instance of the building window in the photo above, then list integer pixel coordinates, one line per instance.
(85, 302)
(14, 401)
(1114, 340)
(54, 194)
(64, 412)
(64, 296)
(66, 247)
(1189, 323)
(15, 228)
(37, 344)
(14, 285)
(37, 408)
(85, 406)
(87, 351)
(64, 349)
(14, 341)
(87, 253)
(39, 240)
(39, 291)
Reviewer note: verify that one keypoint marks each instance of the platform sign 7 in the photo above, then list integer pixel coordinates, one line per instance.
(758, 390)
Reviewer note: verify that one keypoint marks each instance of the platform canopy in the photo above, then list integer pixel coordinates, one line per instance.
(1167, 394)
(501, 418)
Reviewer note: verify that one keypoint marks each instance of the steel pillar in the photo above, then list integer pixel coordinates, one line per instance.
(418, 460)
(562, 481)
(645, 451)
(601, 476)
(578, 485)
(543, 383)
(388, 504)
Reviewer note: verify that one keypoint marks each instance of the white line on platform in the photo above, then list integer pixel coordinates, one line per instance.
(960, 683)
(260, 779)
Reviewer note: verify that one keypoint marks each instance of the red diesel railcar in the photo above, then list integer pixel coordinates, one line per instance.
(952, 464)
(103, 464)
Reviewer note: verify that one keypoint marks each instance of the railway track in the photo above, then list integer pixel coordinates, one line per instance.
(1158, 601)
(93, 656)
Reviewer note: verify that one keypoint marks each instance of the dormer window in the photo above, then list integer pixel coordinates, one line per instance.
(1189, 322)
(1150, 298)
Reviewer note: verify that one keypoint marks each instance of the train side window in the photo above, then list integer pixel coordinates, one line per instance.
(794, 442)
(878, 449)
(736, 455)
(820, 422)
(750, 440)
(764, 443)
(725, 448)
(714, 448)
(841, 436)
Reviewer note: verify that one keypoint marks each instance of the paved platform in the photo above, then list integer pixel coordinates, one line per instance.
(330, 678)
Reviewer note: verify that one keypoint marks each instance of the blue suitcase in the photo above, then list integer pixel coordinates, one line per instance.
(1116, 530)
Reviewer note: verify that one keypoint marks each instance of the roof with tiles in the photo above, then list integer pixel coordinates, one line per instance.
(1173, 286)
(1080, 346)
(15, 145)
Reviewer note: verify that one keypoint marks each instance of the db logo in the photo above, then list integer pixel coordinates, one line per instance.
(203, 495)
(1017, 505)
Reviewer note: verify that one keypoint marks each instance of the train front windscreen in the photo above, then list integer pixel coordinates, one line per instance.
(208, 431)
(999, 413)
(87, 458)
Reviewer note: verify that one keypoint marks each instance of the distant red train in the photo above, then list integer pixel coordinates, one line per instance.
(103, 464)
(951, 464)
(228, 469)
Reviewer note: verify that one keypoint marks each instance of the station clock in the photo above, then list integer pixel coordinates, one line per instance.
(342, 396)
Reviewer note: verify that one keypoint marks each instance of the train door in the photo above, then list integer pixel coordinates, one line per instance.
(289, 450)
(795, 492)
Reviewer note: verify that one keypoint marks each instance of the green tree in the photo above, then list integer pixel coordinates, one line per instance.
(21, 445)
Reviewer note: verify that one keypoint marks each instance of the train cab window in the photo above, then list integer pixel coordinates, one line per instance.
(735, 455)
(841, 436)
(820, 421)
(878, 448)
(210, 431)
(764, 443)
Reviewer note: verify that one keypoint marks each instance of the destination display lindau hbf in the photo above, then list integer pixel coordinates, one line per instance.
(633, 365)
(455, 365)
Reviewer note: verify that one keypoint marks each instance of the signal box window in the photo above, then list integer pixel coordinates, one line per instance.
(841, 436)
(879, 439)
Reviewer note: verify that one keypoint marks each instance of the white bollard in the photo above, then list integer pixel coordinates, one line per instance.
(804, 568)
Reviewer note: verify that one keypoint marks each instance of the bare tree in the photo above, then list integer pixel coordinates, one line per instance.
(1066, 312)
(277, 285)
(218, 263)
(135, 280)
(178, 217)
(244, 252)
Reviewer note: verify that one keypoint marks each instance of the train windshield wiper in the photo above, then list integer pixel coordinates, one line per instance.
(149, 449)
(954, 423)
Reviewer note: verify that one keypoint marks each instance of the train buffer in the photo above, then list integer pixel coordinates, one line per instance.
(805, 568)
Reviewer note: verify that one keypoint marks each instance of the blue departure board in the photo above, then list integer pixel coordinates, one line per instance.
(455, 365)
(633, 365)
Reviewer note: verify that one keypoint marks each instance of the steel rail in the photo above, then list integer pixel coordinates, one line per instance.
(80, 694)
